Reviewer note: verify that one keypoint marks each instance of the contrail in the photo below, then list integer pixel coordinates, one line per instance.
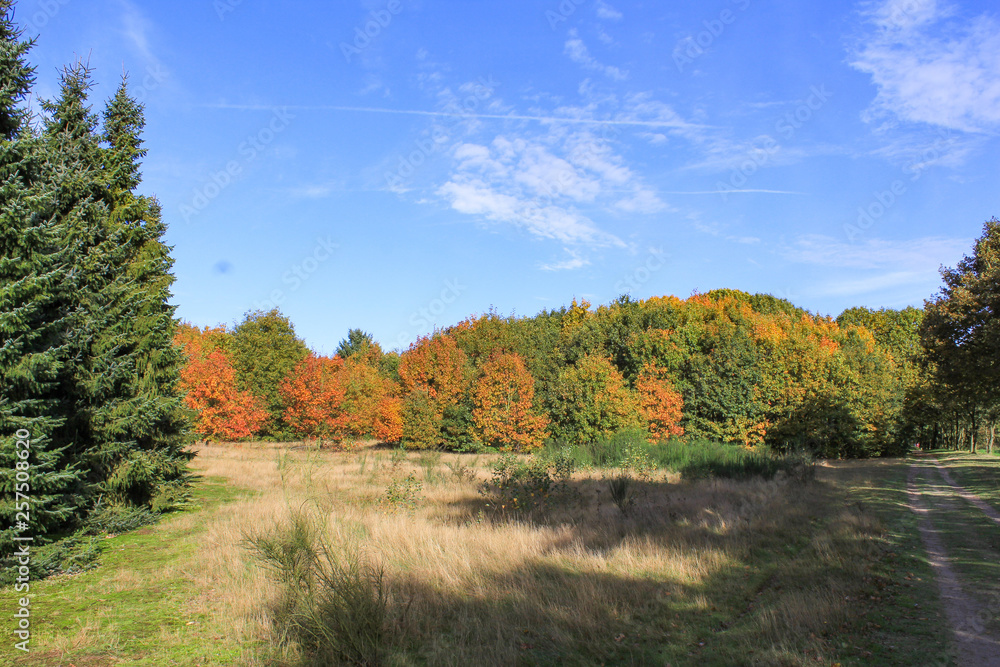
(730, 192)
(455, 114)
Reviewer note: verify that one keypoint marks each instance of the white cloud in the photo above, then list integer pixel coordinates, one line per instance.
(474, 197)
(641, 201)
(876, 283)
(931, 67)
(715, 230)
(315, 190)
(607, 12)
(541, 181)
(135, 28)
(574, 262)
(578, 53)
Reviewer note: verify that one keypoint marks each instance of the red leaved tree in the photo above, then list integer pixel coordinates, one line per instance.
(313, 397)
(660, 405)
(437, 366)
(503, 406)
(209, 381)
(388, 423)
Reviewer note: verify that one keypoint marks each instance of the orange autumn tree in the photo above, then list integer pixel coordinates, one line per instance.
(434, 375)
(208, 381)
(660, 405)
(388, 422)
(313, 398)
(371, 400)
(503, 406)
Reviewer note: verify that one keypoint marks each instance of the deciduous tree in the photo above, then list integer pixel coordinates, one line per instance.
(503, 406)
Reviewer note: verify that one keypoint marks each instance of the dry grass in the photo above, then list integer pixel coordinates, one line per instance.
(578, 581)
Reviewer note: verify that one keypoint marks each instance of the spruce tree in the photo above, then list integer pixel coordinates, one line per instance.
(143, 421)
(36, 316)
(128, 421)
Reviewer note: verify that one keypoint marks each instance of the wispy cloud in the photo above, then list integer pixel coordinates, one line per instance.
(578, 53)
(474, 197)
(925, 254)
(607, 12)
(574, 262)
(135, 28)
(624, 120)
(930, 66)
(853, 287)
(715, 230)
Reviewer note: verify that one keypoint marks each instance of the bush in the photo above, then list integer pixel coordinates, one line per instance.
(333, 605)
(117, 518)
(403, 493)
(524, 486)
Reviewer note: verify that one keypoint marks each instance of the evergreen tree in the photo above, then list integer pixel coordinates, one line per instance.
(36, 313)
(357, 341)
(140, 420)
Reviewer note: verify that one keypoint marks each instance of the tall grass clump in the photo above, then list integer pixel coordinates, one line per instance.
(693, 459)
(705, 458)
(332, 604)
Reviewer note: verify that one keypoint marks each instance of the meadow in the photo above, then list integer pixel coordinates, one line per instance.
(291, 555)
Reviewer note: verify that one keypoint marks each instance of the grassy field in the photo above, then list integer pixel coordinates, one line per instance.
(698, 572)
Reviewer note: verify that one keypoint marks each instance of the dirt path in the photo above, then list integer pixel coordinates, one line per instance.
(974, 646)
(987, 509)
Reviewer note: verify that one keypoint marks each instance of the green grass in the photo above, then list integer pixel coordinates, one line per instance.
(693, 459)
(855, 540)
(971, 539)
(979, 473)
(135, 608)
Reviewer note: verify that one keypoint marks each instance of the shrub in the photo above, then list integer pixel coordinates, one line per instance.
(706, 458)
(333, 605)
(403, 493)
(622, 492)
(523, 486)
(119, 518)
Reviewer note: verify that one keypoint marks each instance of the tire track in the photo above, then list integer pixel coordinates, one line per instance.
(974, 647)
(987, 509)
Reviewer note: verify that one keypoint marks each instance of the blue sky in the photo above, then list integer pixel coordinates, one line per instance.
(396, 165)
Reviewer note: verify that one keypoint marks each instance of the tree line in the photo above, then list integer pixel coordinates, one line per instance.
(747, 369)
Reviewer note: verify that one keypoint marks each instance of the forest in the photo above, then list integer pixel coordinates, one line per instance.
(727, 366)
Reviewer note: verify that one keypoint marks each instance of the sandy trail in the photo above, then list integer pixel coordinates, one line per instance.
(974, 646)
